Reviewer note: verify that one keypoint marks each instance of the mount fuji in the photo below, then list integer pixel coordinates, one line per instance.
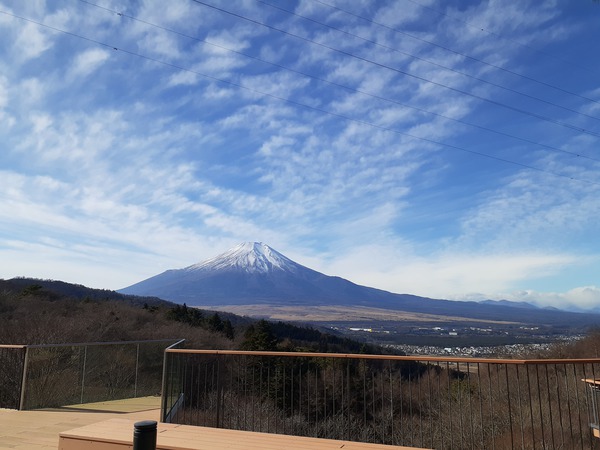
(253, 273)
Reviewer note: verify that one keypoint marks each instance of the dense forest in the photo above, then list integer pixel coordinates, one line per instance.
(52, 312)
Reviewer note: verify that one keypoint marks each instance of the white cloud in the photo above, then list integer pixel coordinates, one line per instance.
(31, 42)
(88, 61)
(579, 298)
(183, 79)
(3, 92)
(402, 268)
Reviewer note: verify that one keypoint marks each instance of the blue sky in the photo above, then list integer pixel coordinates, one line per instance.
(444, 149)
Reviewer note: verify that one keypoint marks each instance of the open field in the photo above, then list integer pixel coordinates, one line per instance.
(328, 314)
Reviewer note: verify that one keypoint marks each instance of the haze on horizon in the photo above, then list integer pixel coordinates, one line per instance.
(448, 150)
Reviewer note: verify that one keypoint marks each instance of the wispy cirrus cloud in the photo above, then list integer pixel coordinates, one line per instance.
(110, 157)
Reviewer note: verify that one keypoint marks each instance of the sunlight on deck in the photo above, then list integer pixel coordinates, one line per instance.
(39, 429)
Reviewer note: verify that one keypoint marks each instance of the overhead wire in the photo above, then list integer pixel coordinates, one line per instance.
(378, 64)
(433, 63)
(464, 55)
(332, 83)
(503, 37)
(293, 102)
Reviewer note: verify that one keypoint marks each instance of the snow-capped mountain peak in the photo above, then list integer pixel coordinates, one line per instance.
(252, 257)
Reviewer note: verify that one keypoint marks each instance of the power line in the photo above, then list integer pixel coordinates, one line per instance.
(472, 58)
(360, 58)
(433, 63)
(359, 91)
(498, 35)
(295, 103)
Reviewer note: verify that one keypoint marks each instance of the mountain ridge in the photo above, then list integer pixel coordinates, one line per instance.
(254, 273)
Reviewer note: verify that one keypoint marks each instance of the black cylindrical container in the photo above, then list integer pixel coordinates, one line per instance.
(144, 435)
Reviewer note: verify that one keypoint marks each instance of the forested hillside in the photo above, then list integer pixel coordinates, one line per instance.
(44, 311)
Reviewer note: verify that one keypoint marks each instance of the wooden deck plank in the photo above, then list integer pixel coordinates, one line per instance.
(39, 429)
(119, 432)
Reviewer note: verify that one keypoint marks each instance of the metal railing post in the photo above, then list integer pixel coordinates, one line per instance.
(163, 394)
(24, 379)
(144, 435)
(137, 364)
(83, 373)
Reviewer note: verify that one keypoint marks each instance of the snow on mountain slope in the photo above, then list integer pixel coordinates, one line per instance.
(251, 257)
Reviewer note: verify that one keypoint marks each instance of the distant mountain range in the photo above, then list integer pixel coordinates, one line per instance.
(254, 273)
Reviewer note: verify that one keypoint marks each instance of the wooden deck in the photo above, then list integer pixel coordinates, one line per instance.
(39, 430)
(117, 434)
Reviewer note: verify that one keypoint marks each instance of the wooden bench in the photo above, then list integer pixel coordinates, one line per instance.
(117, 434)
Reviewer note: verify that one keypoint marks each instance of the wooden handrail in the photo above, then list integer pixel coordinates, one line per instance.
(390, 357)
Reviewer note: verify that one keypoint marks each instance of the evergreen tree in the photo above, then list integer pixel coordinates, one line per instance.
(259, 337)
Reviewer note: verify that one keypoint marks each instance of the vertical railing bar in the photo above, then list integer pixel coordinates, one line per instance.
(530, 406)
(439, 394)
(348, 396)
(382, 409)
(429, 404)
(169, 383)
(522, 421)
(83, 374)
(480, 405)
(460, 409)
(268, 396)
(245, 396)
(317, 404)
(212, 387)
(578, 404)
(559, 404)
(300, 382)
(308, 407)
(199, 383)
(232, 391)
(510, 421)
(537, 374)
(373, 401)
(410, 408)
(364, 371)
(326, 365)
(292, 393)
(279, 378)
(568, 391)
(190, 394)
(491, 397)
(470, 404)
(165, 386)
(550, 406)
(259, 400)
(589, 419)
(284, 402)
(400, 440)
(593, 393)
(185, 391)
(419, 398)
(221, 361)
(392, 418)
(450, 412)
(333, 389)
(202, 388)
(205, 393)
(137, 368)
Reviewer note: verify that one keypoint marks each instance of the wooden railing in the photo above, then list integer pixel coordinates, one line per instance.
(432, 402)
